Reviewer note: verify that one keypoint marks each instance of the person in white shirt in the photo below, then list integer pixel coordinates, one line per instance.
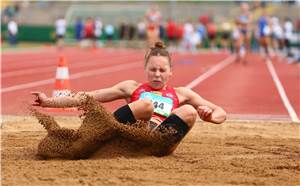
(141, 29)
(97, 31)
(277, 34)
(188, 31)
(60, 31)
(12, 28)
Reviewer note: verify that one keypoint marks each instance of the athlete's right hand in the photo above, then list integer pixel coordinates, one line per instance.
(40, 99)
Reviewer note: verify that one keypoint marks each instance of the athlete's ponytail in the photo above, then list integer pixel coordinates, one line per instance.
(159, 49)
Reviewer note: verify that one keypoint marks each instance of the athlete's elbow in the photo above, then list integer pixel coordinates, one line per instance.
(221, 117)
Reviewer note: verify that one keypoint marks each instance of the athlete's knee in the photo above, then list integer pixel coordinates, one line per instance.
(142, 109)
(147, 105)
(187, 113)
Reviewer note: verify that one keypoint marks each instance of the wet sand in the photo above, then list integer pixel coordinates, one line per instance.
(235, 153)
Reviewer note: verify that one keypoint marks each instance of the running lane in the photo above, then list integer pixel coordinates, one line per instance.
(289, 75)
(245, 91)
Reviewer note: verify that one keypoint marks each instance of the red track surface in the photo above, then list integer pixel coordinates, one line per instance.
(244, 91)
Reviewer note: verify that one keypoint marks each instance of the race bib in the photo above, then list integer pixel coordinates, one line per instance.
(162, 105)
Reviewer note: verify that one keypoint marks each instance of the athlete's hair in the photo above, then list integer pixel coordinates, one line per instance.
(159, 49)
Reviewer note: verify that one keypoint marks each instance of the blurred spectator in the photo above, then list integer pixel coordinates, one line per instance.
(12, 28)
(141, 29)
(153, 17)
(109, 32)
(123, 30)
(171, 31)
(179, 32)
(89, 28)
(226, 30)
(78, 29)
(237, 38)
(212, 34)
(264, 33)
(288, 34)
(97, 31)
(245, 20)
(188, 31)
(202, 32)
(195, 41)
(162, 31)
(60, 31)
(131, 31)
(277, 40)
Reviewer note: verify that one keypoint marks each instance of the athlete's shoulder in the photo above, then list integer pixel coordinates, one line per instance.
(128, 86)
(184, 91)
(181, 89)
(129, 83)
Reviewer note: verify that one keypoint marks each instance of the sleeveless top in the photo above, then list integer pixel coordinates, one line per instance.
(164, 100)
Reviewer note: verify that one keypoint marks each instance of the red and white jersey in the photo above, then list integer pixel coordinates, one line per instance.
(153, 20)
(164, 100)
(153, 16)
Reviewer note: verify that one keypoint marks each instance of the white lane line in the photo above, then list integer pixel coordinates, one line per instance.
(211, 71)
(281, 91)
(74, 76)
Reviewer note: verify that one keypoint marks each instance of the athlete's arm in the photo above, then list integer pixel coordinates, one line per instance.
(207, 111)
(121, 90)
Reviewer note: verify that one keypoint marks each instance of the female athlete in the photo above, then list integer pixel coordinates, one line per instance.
(155, 101)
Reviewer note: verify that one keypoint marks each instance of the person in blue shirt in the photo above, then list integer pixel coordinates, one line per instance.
(78, 28)
(264, 32)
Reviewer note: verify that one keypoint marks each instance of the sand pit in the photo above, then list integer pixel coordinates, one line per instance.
(236, 153)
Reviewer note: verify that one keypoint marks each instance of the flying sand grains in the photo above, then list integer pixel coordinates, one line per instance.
(99, 129)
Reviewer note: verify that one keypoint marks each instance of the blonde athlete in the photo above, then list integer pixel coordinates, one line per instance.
(155, 101)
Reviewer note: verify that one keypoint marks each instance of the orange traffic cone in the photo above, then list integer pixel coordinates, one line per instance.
(62, 84)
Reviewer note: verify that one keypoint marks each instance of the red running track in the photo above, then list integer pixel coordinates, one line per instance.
(244, 91)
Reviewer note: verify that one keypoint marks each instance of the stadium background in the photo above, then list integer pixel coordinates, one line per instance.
(36, 19)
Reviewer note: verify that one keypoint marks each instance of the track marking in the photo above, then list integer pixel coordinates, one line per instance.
(74, 76)
(281, 91)
(211, 72)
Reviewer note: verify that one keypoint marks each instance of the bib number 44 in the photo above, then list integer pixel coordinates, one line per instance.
(158, 105)
(162, 105)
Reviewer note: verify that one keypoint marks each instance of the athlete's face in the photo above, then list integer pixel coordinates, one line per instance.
(158, 71)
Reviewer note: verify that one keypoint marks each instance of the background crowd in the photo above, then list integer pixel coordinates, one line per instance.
(242, 34)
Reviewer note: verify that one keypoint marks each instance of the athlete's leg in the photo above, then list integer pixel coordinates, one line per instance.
(187, 113)
(182, 120)
(138, 110)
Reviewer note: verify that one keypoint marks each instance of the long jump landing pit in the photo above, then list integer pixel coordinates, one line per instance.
(234, 153)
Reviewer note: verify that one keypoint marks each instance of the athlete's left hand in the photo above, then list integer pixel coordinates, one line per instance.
(204, 112)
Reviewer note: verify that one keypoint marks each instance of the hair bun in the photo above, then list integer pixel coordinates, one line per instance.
(159, 44)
